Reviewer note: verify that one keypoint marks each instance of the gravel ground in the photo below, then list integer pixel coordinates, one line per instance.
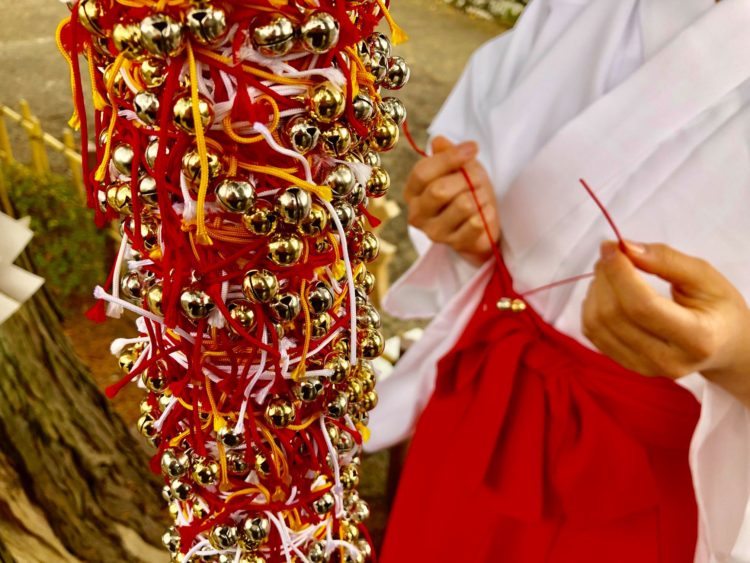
(441, 41)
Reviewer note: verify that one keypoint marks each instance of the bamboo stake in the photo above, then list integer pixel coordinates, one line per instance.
(74, 163)
(37, 162)
(6, 149)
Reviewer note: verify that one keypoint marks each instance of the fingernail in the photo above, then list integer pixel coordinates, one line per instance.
(635, 247)
(608, 250)
(467, 150)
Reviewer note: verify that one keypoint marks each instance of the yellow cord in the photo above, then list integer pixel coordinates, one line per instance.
(101, 172)
(299, 373)
(99, 102)
(201, 234)
(323, 192)
(398, 35)
(75, 119)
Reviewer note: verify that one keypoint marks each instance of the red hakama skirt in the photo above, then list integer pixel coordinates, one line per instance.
(535, 449)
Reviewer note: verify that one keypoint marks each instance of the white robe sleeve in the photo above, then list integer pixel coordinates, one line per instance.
(439, 273)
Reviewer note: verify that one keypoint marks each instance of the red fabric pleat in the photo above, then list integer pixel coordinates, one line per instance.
(535, 449)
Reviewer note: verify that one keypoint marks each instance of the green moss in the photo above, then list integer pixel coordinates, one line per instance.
(67, 249)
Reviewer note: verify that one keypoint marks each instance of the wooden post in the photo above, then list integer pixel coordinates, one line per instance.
(74, 163)
(34, 131)
(6, 150)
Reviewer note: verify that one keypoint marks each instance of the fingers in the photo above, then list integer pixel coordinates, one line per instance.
(639, 303)
(441, 144)
(688, 274)
(437, 196)
(443, 163)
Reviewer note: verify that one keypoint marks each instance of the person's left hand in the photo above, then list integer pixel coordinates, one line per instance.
(704, 328)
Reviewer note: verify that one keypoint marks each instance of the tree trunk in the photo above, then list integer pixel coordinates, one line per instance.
(74, 483)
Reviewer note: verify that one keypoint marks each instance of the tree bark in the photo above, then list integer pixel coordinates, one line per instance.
(74, 482)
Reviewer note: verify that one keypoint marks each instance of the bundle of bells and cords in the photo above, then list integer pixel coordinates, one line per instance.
(237, 143)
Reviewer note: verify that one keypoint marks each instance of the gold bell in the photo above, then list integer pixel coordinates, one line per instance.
(369, 247)
(293, 205)
(152, 72)
(127, 40)
(319, 32)
(206, 473)
(285, 250)
(146, 107)
(280, 412)
(337, 140)
(243, 313)
(302, 133)
(206, 23)
(89, 15)
(260, 286)
(273, 35)
(379, 182)
(182, 113)
(285, 307)
(161, 35)
(122, 158)
(316, 222)
(154, 297)
(261, 221)
(512, 305)
(385, 135)
(191, 165)
(328, 102)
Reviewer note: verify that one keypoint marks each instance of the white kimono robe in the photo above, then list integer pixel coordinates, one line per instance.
(648, 100)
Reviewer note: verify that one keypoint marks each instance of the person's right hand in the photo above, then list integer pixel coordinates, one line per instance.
(442, 206)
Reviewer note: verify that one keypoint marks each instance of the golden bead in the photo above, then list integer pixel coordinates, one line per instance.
(182, 113)
(285, 250)
(260, 286)
(328, 102)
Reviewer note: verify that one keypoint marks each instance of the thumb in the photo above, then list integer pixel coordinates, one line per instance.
(441, 144)
(689, 274)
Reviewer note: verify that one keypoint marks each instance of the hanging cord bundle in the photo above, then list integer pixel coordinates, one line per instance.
(237, 145)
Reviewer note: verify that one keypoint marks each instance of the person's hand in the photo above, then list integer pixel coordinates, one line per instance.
(442, 206)
(705, 327)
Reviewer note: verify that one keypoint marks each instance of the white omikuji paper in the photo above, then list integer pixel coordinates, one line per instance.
(16, 284)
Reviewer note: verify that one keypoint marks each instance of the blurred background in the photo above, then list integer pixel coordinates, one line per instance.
(74, 478)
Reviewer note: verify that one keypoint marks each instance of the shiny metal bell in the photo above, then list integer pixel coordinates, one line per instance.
(126, 37)
(339, 367)
(320, 298)
(341, 180)
(309, 389)
(261, 221)
(181, 490)
(378, 183)
(191, 165)
(206, 23)
(371, 158)
(320, 326)
(328, 102)
(243, 313)
(146, 107)
(293, 205)
(358, 195)
(255, 530)
(398, 73)
(122, 158)
(273, 35)
(346, 214)
(223, 537)
(152, 72)
(154, 297)
(323, 504)
(363, 106)
(302, 133)
(385, 135)
(319, 32)
(394, 108)
(280, 412)
(161, 35)
(171, 540)
(206, 473)
(236, 196)
(147, 192)
(196, 304)
(368, 248)
(368, 317)
(152, 151)
(174, 463)
(182, 113)
(336, 408)
(260, 286)
(336, 141)
(379, 43)
(285, 307)
(90, 13)
(131, 286)
(285, 250)
(371, 344)
(316, 223)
